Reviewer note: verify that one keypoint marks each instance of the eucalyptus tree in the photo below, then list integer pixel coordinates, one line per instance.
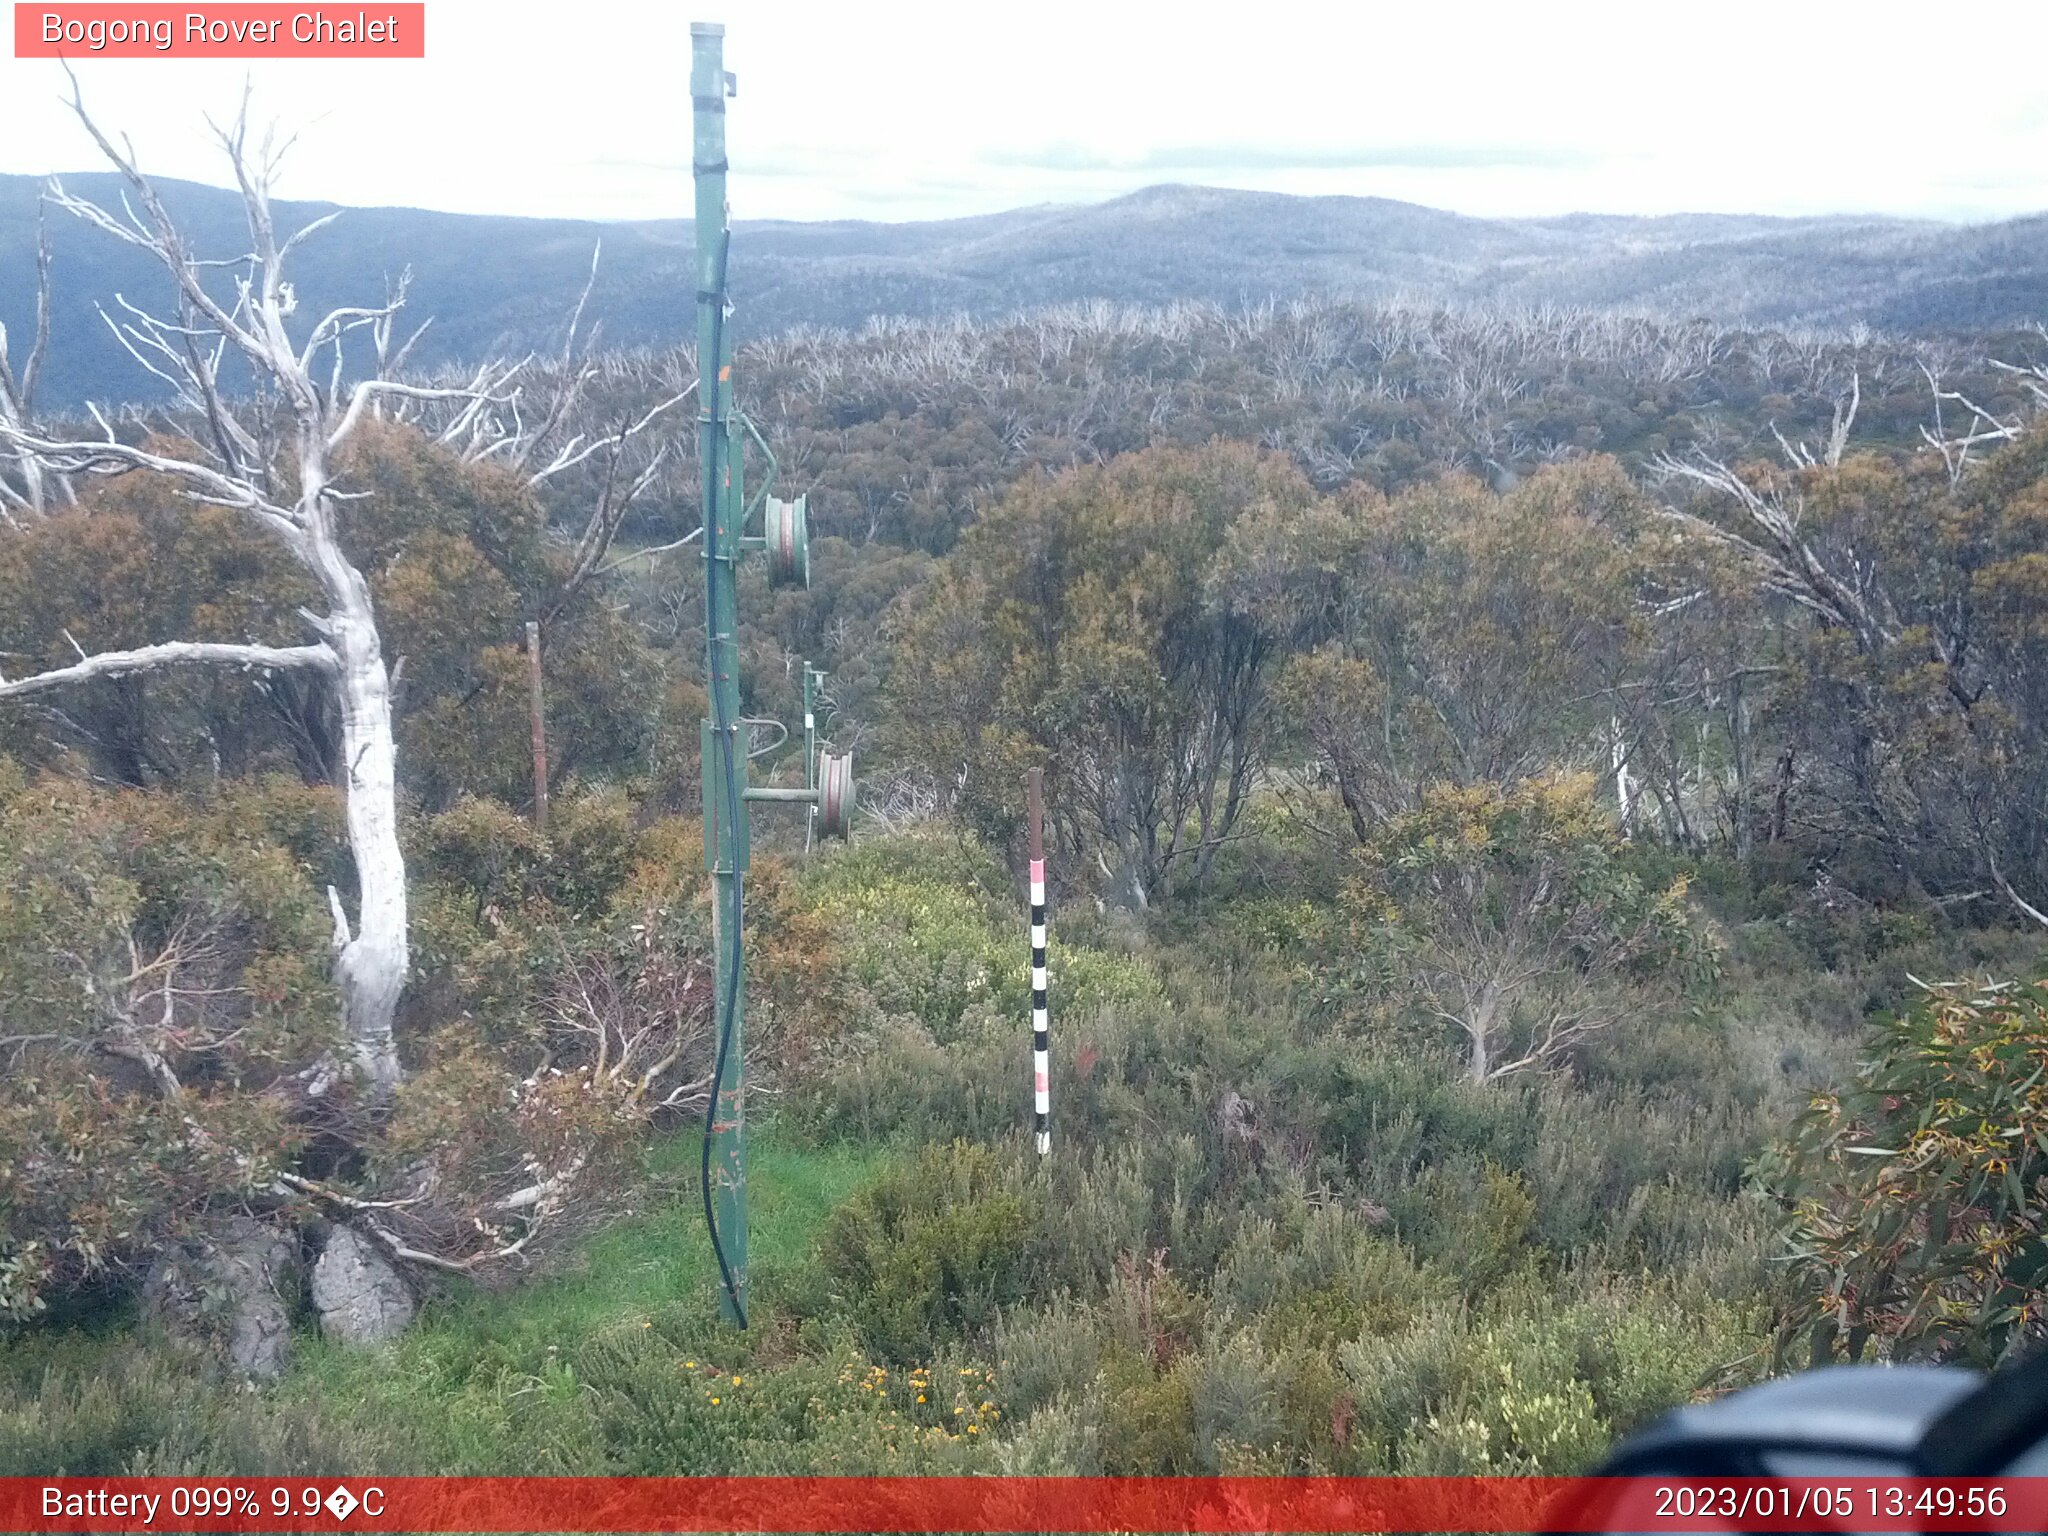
(1078, 625)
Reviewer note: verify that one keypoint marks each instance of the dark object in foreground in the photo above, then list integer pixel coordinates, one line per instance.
(1861, 1420)
(1855, 1421)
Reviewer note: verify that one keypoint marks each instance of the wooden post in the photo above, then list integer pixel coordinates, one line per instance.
(540, 732)
(1041, 1067)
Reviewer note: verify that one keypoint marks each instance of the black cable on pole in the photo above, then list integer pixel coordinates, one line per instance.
(734, 808)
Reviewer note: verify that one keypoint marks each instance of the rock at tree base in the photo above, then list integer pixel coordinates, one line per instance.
(361, 1298)
(229, 1290)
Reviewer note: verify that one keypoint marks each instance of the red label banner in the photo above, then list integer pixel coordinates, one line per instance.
(1005, 1504)
(236, 31)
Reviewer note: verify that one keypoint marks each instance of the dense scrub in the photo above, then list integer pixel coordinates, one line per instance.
(1370, 1264)
(1473, 894)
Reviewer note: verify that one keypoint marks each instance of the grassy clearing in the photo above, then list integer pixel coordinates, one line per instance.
(653, 1264)
(488, 1381)
(479, 1355)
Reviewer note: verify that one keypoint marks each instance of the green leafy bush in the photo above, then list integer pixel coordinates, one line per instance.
(1512, 914)
(932, 1250)
(930, 930)
(161, 957)
(1914, 1197)
(1531, 1382)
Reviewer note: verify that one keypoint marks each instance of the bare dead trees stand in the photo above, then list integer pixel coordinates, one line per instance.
(1867, 578)
(24, 487)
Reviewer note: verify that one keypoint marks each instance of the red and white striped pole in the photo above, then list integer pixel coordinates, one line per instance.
(1041, 1068)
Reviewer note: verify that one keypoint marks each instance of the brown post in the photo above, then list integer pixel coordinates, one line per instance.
(540, 732)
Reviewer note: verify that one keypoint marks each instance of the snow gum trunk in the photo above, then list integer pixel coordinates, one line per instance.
(372, 962)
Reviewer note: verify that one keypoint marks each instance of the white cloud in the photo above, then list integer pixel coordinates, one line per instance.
(897, 110)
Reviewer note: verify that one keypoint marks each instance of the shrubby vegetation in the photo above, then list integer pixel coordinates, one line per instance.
(1510, 915)
(1376, 1266)
(1490, 808)
(1913, 1195)
(163, 979)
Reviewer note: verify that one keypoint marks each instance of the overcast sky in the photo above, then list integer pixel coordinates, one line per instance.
(884, 110)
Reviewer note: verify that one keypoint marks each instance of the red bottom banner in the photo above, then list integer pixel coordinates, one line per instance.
(1021, 1504)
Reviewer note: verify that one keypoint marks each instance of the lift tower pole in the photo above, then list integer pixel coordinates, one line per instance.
(725, 756)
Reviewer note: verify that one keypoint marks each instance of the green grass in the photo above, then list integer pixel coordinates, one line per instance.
(478, 1355)
(652, 1263)
(487, 1381)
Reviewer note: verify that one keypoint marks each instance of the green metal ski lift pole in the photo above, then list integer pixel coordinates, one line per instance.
(828, 791)
(725, 818)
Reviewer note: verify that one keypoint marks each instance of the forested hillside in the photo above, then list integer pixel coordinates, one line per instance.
(499, 285)
(1543, 806)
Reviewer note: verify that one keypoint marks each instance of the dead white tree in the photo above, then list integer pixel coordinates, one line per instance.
(626, 1039)
(25, 493)
(1800, 456)
(1788, 563)
(272, 455)
(553, 429)
(2031, 377)
(1955, 444)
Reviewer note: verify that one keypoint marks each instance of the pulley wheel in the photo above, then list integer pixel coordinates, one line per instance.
(835, 795)
(787, 527)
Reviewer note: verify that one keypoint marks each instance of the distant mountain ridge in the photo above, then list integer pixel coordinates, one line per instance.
(498, 284)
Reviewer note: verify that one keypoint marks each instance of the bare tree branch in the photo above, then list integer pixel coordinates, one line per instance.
(477, 393)
(2019, 902)
(1791, 566)
(151, 658)
(82, 457)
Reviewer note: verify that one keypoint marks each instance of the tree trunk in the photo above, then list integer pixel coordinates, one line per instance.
(1781, 798)
(371, 964)
(1127, 891)
(1624, 791)
(371, 960)
(1479, 1021)
(1745, 806)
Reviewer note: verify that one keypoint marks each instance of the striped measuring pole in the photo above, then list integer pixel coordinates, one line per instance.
(1041, 1066)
